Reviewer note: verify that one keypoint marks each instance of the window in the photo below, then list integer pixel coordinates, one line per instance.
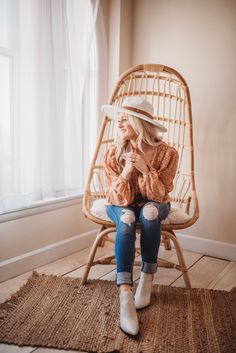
(49, 86)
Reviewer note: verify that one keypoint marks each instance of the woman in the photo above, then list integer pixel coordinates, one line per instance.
(140, 169)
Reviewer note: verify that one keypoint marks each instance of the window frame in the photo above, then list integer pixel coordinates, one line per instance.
(39, 206)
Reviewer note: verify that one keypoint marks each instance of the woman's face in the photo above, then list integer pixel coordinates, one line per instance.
(125, 128)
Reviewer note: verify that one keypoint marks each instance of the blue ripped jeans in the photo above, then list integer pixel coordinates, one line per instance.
(150, 216)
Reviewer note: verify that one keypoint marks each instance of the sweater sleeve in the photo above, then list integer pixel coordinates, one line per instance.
(119, 191)
(158, 183)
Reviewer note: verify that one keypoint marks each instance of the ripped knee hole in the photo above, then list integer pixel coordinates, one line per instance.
(150, 212)
(128, 217)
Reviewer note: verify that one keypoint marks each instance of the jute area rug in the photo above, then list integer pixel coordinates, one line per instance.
(55, 311)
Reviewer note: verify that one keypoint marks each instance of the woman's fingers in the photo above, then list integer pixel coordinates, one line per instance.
(136, 160)
(129, 158)
(132, 154)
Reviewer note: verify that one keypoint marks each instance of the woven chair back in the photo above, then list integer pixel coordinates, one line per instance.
(168, 92)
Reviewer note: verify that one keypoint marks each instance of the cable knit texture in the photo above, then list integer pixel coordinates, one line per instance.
(137, 190)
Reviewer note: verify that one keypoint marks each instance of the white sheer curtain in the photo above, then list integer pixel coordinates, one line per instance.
(53, 128)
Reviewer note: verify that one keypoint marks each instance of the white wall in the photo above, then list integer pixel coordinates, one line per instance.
(197, 38)
(118, 16)
(32, 232)
(40, 235)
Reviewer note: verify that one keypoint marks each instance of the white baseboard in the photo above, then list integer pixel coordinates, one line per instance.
(31, 260)
(209, 247)
(39, 257)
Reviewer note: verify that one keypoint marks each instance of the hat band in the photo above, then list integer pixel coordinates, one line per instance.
(139, 111)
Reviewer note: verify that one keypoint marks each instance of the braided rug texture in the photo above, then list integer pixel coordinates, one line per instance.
(56, 311)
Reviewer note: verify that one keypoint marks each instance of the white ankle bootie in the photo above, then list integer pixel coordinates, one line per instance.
(128, 316)
(143, 291)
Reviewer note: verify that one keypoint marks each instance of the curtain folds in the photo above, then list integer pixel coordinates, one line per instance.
(56, 101)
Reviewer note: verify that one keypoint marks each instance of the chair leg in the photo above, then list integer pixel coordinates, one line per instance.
(103, 241)
(92, 253)
(180, 256)
(167, 243)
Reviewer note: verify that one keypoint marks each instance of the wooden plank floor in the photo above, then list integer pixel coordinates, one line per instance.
(204, 272)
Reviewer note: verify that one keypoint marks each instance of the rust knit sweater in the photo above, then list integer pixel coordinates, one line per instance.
(141, 188)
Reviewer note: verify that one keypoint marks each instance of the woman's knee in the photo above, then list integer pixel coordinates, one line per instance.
(153, 211)
(150, 212)
(121, 215)
(127, 217)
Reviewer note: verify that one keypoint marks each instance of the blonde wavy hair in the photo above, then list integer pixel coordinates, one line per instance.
(146, 132)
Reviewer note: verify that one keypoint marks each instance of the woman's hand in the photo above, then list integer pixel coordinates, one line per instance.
(126, 173)
(137, 161)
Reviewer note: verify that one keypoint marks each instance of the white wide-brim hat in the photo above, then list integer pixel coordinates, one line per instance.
(136, 106)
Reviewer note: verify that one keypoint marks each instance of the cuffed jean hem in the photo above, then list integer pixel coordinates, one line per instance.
(149, 268)
(124, 278)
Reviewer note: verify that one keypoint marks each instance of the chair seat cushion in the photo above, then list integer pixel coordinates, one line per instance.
(176, 215)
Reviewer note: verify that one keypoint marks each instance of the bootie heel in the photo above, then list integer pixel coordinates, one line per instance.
(143, 291)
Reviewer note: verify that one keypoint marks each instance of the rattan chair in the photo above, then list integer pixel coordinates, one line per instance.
(166, 89)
